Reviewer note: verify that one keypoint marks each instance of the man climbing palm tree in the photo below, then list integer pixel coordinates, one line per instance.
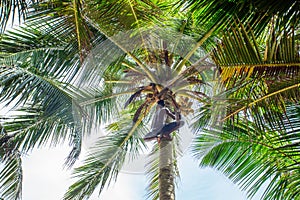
(158, 128)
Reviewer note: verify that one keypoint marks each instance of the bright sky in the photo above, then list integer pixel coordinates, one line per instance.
(45, 178)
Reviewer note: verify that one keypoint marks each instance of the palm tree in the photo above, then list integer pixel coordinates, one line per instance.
(73, 87)
(152, 71)
(43, 55)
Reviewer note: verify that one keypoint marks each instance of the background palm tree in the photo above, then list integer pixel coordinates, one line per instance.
(71, 91)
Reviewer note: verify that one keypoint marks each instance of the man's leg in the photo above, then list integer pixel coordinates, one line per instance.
(151, 135)
(169, 128)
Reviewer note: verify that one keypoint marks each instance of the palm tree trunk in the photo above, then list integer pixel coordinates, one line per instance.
(166, 171)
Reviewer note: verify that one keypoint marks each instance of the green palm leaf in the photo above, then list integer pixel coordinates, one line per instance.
(253, 158)
(106, 158)
(242, 60)
(73, 22)
(38, 63)
(241, 54)
(11, 177)
(257, 13)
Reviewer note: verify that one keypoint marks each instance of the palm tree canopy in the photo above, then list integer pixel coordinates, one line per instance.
(75, 64)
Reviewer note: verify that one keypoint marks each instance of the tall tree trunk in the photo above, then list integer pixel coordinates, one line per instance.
(166, 171)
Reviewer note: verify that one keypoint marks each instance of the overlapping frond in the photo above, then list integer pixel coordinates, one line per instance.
(267, 69)
(127, 14)
(73, 24)
(31, 126)
(38, 63)
(242, 55)
(11, 177)
(255, 159)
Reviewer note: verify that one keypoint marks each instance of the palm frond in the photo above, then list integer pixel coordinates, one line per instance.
(11, 177)
(257, 13)
(39, 60)
(271, 72)
(239, 55)
(202, 117)
(130, 13)
(28, 62)
(31, 127)
(153, 173)
(71, 12)
(253, 158)
(51, 98)
(106, 158)
(133, 97)
(36, 67)
(141, 110)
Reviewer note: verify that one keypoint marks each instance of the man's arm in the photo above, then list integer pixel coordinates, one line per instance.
(170, 113)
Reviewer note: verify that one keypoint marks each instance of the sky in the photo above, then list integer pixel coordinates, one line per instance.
(45, 178)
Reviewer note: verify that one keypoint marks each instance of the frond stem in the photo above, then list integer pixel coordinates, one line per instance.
(95, 100)
(262, 98)
(76, 16)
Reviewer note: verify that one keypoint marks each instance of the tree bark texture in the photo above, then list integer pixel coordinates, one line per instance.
(166, 171)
